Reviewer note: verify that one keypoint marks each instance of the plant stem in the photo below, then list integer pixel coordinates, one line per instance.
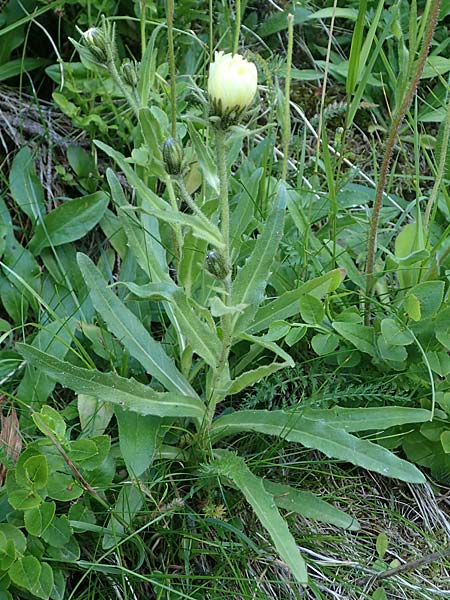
(287, 95)
(223, 183)
(390, 143)
(217, 395)
(237, 26)
(177, 229)
(142, 24)
(173, 89)
(185, 195)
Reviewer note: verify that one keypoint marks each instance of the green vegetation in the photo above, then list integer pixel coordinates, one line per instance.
(225, 308)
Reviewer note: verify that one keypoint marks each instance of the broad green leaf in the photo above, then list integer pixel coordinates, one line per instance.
(24, 499)
(234, 468)
(311, 309)
(44, 586)
(58, 533)
(37, 520)
(18, 66)
(430, 295)
(360, 336)
(324, 343)
(251, 280)
(439, 362)
(396, 334)
(389, 352)
(26, 189)
(308, 505)
(63, 487)
(25, 572)
(412, 307)
(48, 419)
(13, 533)
(70, 221)
(138, 435)
(445, 441)
(335, 443)
(36, 469)
(366, 419)
(126, 393)
(287, 305)
(130, 331)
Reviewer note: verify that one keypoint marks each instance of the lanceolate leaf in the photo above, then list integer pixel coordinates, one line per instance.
(129, 394)
(332, 442)
(234, 468)
(366, 419)
(130, 331)
(251, 280)
(69, 221)
(26, 189)
(308, 505)
(287, 305)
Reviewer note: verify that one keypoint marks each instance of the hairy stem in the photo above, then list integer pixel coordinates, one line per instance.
(237, 26)
(216, 392)
(178, 241)
(390, 143)
(287, 95)
(173, 89)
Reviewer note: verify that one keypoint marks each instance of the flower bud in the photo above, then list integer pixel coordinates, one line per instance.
(232, 84)
(172, 152)
(95, 40)
(130, 72)
(216, 265)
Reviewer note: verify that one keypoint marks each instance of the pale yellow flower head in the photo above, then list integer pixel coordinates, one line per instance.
(232, 83)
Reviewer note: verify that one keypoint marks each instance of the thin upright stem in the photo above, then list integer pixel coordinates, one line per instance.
(390, 143)
(186, 197)
(223, 182)
(177, 229)
(173, 88)
(237, 29)
(287, 95)
(226, 321)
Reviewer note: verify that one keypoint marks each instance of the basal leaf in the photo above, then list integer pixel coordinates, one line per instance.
(310, 506)
(126, 393)
(333, 442)
(130, 331)
(234, 468)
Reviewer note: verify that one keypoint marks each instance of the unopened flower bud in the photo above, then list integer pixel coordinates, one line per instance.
(232, 84)
(130, 72)
(96, 42)
(216, 265)
(173, 156)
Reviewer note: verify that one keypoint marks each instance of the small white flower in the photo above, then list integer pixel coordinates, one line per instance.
(232, 83)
